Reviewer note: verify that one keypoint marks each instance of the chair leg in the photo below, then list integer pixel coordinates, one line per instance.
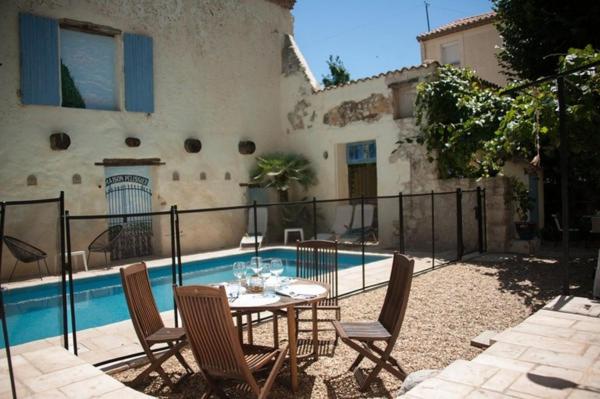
(249, 324)
(13, 271)
(275, 330)
(356, 362)
(39, 269)
(181, 359)
(47, 269)
(266, 389)
(315, 331)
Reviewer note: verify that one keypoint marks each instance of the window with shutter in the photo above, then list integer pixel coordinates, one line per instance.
(139, 75)
(451, 54)
(39, 60)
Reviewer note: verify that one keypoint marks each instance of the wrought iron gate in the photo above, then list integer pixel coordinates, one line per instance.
(125, 198)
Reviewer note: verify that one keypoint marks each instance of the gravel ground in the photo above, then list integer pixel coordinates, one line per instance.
(447, 308)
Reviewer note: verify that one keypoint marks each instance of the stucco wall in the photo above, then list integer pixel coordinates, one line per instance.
(477, 48)
(217, 75)
(312, 131)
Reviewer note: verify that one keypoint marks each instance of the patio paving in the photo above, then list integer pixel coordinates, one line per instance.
(555, 353)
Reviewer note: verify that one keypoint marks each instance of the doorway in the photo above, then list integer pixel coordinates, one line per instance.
(361, 159)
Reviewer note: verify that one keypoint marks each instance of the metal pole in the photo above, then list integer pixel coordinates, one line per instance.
(362, 236)
(2, 313)
(479, 215)
(314, 207)
(255, 229)
(564, 180)
(173, 254)
(401, 222)
(63, 271)
(484, 209)
(432, 230)
(459, 225)
(178, 245)
(427, 15)
(71, 289)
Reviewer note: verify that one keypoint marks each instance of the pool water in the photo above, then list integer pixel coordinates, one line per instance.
(35, 312)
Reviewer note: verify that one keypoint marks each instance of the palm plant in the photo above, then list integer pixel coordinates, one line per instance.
(280, 171)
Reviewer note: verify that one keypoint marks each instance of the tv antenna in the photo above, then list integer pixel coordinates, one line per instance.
(427, 14)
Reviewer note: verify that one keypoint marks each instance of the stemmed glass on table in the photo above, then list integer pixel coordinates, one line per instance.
(277, 268)
(239, 271)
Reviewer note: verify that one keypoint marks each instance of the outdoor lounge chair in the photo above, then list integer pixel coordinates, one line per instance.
(363, 336)
(25, 253)
(218, 351)
(355, 233)
(105, 242)
(341, 223)
(262, 217)
(148, 324)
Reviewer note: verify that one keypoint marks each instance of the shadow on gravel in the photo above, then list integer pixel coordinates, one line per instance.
(538, 280)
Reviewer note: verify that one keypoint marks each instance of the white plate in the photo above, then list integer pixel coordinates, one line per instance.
(254, 300)
(303, 289)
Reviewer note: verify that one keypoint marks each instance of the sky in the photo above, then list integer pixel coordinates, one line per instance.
(371, 36)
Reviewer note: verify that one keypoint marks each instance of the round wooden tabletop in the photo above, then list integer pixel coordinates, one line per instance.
(283, 301)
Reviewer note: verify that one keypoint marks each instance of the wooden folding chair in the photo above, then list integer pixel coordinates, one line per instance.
(318, 260)
(218, 352)
(148, 324)
(362, 336)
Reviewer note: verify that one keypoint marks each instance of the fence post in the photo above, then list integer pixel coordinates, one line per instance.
(401, 222)
(479, 215)
(173, 254)
(71, 288)
(3, 314)
(63, 271)
(314, 206)
(484, 209)
(362, 236)
(432, 230)
(178, 246)
(459, 225)
(255, 229)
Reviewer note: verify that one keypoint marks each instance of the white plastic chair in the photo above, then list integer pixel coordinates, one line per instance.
(341, 223)
(251, 237)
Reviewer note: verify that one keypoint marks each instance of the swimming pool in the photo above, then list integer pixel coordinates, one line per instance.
(35, 312)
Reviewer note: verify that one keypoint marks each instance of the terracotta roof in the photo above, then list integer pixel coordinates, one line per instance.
(381, 75)
(458, 25)
(289, 4)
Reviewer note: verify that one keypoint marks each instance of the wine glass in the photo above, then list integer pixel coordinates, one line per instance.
(256, 264)
(277, 268)
(265, 273)
(239, 271)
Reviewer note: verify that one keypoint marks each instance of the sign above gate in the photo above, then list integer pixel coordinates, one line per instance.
(127, 179)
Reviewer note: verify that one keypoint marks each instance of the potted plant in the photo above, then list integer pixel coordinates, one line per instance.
(523, 203)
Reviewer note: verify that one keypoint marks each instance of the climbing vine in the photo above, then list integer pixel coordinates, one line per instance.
(471, 129)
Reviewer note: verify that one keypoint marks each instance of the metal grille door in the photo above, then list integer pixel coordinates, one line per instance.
(136, 239)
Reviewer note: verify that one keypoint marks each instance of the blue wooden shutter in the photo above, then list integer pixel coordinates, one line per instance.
(139, 76)
(40, 77)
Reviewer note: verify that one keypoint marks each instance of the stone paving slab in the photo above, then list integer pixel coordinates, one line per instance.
(53, 372)
(554, 353)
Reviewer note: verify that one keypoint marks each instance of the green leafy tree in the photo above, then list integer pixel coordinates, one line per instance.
(537, 32)
(338, 74)
(71, 97)
(472, 130)
(281, 171)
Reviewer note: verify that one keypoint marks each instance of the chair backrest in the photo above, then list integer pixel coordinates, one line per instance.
(210, 331)
(140, 301)
(556, 222)
(104, 240)
(262, 217)
(396, 297)
(318, 260)
(343, 219)
(595, 224)
(369, 213)
(22, 251)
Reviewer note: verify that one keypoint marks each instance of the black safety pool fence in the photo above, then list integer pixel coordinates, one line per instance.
(440, 227)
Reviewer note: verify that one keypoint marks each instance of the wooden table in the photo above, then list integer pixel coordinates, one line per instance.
(289, 304)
